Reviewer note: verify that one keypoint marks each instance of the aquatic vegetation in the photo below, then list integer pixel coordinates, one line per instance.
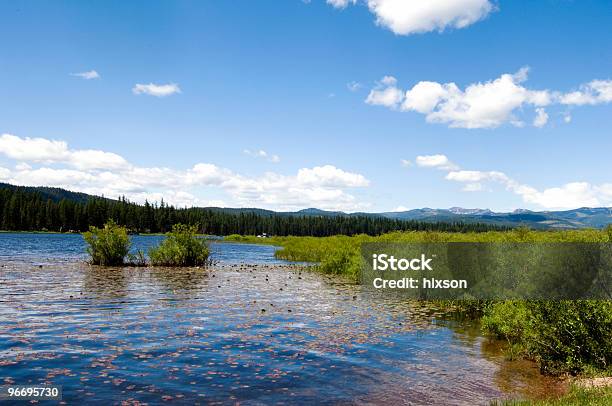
(108, 245)
(182, 247)
(340, 254)
(563, 336)
(577, 396)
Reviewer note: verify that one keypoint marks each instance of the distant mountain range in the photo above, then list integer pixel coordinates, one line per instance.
(584, 217)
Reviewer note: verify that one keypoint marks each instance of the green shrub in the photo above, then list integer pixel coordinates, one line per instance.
(571, 335)
(109, 245)
(180, 248)
(509, 321)
(563, 336)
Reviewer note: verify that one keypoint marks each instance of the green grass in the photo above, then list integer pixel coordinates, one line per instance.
(340, 254)
(575, 397)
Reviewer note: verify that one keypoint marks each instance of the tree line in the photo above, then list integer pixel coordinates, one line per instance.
(26, 210)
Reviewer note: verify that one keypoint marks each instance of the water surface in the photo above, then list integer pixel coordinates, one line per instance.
(252, 330)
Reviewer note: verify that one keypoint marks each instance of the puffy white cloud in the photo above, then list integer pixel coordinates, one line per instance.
(33, 149)
(94, 159)
(109, 174)
(385, 93)
(405, 163)
(437, 161)
(568, 196)
(330, 176)
(405, 17)
(153, 89)
(92, 74)
(53, 151)
(423, 97)
(262, 154)
(483, 105)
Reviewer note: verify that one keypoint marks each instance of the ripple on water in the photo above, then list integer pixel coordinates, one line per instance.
(255, 334)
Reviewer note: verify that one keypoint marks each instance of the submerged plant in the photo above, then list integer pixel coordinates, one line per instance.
(109, 245)
(181, 247)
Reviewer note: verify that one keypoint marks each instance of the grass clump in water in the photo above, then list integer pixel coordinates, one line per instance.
(181, 247)
(108, 246)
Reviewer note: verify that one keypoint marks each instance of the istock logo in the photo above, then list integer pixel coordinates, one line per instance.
(384, 262)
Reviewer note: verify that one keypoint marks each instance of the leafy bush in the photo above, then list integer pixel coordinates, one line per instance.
(109, 245)
(571, 335)
(563, 336)
(180, 248)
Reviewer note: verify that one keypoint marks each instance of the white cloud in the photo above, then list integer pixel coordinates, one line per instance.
(483, 105)
(385, 93)
(437, 161)
(330, 176)
(473, 187)
(153, 89)
(94, 159)
(405, 17)
(594, 92)
(340, 3)
(568, 196)
(400, 208)
(53, 151)
(541, 118)
(105, 173)
(33, 149)
(405, 163)
(5, 174)
(262, 154)
(411, 17)
(92, 74)
(423, 97)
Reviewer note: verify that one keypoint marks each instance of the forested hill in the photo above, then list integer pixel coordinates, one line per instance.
(39, 209)
(53, 193)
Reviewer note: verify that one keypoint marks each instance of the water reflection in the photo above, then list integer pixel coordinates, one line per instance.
(103, 282)
(183, 281)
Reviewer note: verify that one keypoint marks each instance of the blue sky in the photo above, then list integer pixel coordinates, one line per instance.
(290, 104)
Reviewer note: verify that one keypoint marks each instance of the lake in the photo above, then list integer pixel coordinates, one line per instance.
(252, 329)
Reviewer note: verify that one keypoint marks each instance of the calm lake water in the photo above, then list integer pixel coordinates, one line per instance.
(252, 329)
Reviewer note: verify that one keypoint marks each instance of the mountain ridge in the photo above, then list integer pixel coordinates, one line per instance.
(583, 217)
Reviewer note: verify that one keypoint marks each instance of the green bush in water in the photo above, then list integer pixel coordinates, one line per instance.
(180, 248)
(108, 246)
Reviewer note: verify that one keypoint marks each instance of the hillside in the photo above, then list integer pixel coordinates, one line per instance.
(570, 219)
